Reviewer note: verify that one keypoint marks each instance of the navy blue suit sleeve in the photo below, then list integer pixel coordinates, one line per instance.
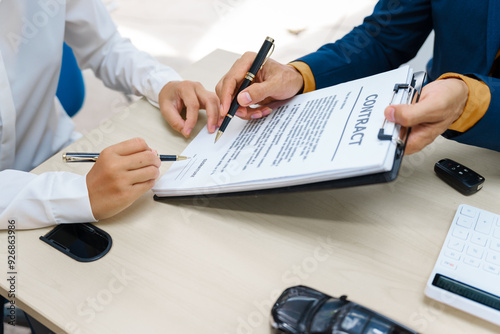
(485, 132)
(389, 37)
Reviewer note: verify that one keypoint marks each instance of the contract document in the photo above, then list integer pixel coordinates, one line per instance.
(324, 135)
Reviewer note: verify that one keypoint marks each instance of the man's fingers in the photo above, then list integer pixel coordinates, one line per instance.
(241, 66)
(211, 103)
(197, 98)
(225, 90)
(441, 101)
(128, 147)
(171, 114)
(140, 160)
(256, 93)
(190, 100)
(111, 180)
(420, 137)
(143, 175)
(254, 113)
(227, 86)
(141, 187)
(212, 106)
(424, 125)
(192, 96)
(411, 115)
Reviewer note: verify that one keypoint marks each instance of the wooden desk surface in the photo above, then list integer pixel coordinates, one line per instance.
(216, 266)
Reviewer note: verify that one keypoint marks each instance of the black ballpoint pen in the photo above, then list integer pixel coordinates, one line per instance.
(92, 157)
(263, 54)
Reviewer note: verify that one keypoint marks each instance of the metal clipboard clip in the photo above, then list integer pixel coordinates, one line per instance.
(414, 90)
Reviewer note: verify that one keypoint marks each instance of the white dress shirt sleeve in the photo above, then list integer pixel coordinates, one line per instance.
(35, 201)
(97, 45)
(43, 200)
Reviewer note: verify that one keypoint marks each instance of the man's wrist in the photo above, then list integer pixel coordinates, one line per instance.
(308, 82)
(477, 103)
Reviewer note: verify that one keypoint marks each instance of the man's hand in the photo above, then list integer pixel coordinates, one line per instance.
(177, 95)
(121, 174)
(273, 82)
(441, 103)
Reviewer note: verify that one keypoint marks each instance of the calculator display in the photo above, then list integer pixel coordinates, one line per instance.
(467, 291)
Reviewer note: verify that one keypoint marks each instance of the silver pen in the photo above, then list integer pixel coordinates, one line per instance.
(92, 157)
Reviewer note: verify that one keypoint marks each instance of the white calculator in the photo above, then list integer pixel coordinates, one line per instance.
(467, 271)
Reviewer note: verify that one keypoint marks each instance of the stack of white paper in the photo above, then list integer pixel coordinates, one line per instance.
(323, 135)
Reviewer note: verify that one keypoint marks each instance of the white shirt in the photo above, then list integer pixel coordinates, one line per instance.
(33, 125)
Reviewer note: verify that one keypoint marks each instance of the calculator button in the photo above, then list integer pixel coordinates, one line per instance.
(491, 268)
(465, 221)
(452, 254)
(475, 251)
(460, 233)
(472, 261)
(493, 257)
(484, 223)
(496, 233)
(456, 244)
(468, 211)
(479, 239)
(449, 264)
(495, 245)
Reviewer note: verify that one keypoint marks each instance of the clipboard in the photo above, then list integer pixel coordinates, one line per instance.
(414, 89)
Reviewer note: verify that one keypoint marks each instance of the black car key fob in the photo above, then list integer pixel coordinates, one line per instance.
(459, 176)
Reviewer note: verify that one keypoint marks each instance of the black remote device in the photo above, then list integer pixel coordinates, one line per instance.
(463, 179)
